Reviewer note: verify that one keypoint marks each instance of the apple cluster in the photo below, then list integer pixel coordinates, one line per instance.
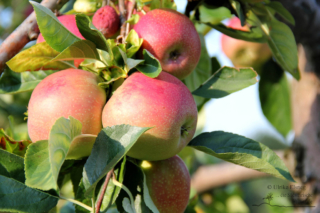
(163, 103)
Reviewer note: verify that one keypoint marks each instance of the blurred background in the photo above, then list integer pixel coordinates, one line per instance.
(239, 113)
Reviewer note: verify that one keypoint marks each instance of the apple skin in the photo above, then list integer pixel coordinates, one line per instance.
(172, 38)
(106, 20)
(163, 103)
(244, 53)
(69, 21)
(70, 92)
(168, 183)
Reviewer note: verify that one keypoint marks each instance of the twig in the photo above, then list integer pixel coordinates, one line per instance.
(105, 3)
(27, 31)
(104, 187)
(78, 203)
(129, 16)
(123, 19)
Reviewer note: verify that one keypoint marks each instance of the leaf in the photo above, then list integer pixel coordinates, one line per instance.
(242, 151)
(37, 167)
(12, 82)
(55, 33)
(61, 135)
(110, 147)
(155, 4)
(226, 81)
(11, 166)
(274, 93)
(214, 15)
(281, 10)
(254, 35)
(11, 145)
(90, 32)
(283, 46)
(37, 57)
(237, 6)
(137, 185)
(132, 63)
(79, 50)
(15, 196)
(201, 73)
(133, 43)
(151, 67)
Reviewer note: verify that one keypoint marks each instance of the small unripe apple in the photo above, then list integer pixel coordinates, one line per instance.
(244, 53)
(70, 92)
(106, 20)
(172, 38)
(163, 103)
(168, 183)
(69, 21)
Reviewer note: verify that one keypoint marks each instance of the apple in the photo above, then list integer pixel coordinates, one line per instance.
(244, 53)
(69, 21)
(70, 92)
(172, 38)
(106, 20)
(168, 183)
(163, 103)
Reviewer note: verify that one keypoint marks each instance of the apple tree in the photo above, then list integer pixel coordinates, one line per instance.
(116, 87)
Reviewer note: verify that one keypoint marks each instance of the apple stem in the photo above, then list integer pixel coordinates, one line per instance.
(78, 203)
(104, 188)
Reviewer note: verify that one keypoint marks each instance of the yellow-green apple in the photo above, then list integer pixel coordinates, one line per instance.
(106, 20)
(172, 38)
(163, 103)
(168, 183)
(69, 21)
(70, 92)
(244, 53)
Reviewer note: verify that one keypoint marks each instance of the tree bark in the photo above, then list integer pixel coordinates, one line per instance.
(26, 32)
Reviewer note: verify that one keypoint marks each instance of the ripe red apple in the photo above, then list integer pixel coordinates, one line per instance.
(168, 183)
(163, 103)
(66, 93)
(244, 53)
(69, 21)
(107, 21)
(172, 38)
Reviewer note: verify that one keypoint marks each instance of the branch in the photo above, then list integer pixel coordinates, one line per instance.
(104, 188)
(26, 32)
(123, 18)
(129, 16)
(208, 177)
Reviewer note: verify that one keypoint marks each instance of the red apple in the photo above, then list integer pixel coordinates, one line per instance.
(244, 53)
(107, 21)
(69, 21)
(168, 183)
(172, 38)
(163, 103)
(66, 93)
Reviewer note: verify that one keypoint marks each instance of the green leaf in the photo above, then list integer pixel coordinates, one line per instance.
(90, 32)
(237, 6)
(110, 147)
(133, 43)
(17, 197)
(137, 185)
(79, 50)
(283, 46)
(12, 82)
(10, 145)
(11, 166)
(155, 4)
(151, 67)
(254, 35)
(37, 167)
(281, 10)
(214, 15)
(55, 33)
(275, 99)
(37, 57)
(226, 81)
(242, 151)
(202, 72)
(132, 63)
(61, 135)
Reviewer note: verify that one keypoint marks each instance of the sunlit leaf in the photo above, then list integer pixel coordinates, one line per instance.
(151, 67)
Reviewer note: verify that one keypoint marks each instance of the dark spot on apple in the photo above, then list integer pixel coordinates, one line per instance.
(174, 55)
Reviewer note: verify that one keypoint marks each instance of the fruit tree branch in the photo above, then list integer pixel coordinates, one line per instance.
(129, 16)
(104, 188)
(27, 31)
(123, 19)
